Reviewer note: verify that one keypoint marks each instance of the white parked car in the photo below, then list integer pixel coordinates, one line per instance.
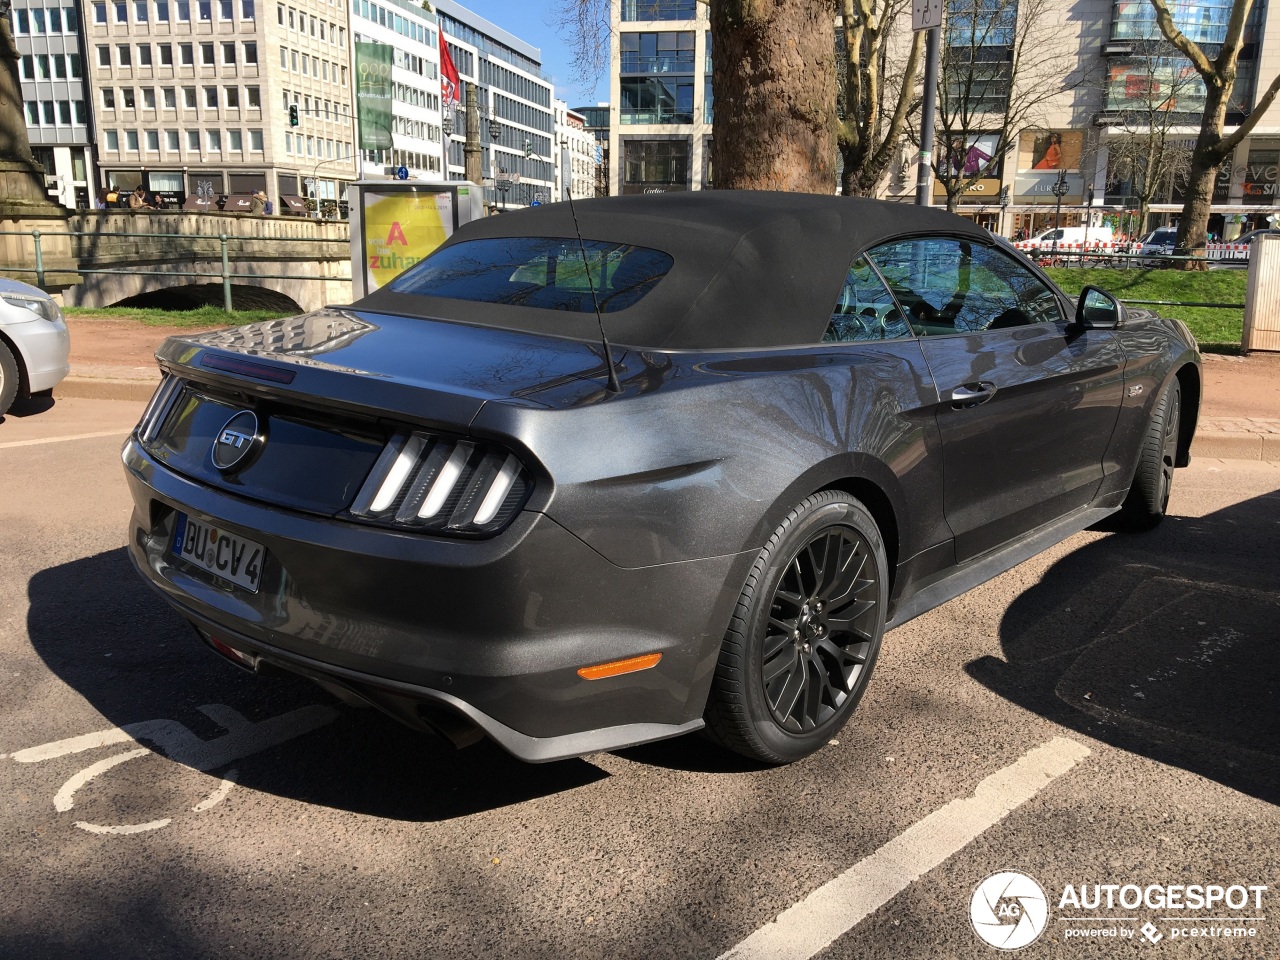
(1069, 238)
(1160, 242)
(34, 342)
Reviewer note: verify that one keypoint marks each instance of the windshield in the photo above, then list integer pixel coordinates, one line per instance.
(546, 272)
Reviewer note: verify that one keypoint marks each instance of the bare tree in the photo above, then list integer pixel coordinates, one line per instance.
(1143, 150)
(1211, 148)
(877, 92)
(1003, 62)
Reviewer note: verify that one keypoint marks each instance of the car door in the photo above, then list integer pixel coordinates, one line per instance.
(1027, 401)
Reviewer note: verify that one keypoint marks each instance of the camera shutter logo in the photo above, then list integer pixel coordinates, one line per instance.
(235, 441)
(1009, 910)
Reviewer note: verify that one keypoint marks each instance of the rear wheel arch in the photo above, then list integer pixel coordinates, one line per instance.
(882, 511)
(1189, 379)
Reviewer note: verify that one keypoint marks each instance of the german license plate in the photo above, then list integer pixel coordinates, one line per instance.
(226, 555)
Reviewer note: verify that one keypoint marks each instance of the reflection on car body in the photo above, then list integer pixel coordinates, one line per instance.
(831, 415)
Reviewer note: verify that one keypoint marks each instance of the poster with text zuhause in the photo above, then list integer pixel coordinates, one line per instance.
(400, 229)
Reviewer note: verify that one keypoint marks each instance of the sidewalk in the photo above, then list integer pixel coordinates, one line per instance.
(1239, 414)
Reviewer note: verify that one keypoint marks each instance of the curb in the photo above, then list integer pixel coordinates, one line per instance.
(106, 388)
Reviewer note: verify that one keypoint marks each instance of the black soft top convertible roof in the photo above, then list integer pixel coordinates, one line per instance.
(752, 269)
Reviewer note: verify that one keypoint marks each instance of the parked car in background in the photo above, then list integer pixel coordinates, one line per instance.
(1157, 245)
(597, 474)
(1069, 239)
(35, 346)
(1254, 234)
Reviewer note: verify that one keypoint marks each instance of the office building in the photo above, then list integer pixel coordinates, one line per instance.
(204, 102)
(55, 103)
(595, 120)
(412, 32)
(518, 164)
(575, 154)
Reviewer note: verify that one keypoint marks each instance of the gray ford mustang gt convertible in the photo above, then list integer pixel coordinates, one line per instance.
(597, 475)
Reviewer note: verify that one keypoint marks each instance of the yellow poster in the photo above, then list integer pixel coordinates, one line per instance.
(402, 228)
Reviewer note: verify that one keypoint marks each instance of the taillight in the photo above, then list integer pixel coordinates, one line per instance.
(432, 483)
(158, 409)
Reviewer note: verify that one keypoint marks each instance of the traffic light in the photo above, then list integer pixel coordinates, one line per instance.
(528, 148)
(293, 114)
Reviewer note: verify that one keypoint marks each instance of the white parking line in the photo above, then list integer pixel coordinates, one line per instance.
(79, 436)
(840, 904)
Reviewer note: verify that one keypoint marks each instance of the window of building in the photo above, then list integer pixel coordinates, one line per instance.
(55, 20)
(124, 56)
(121, 11)
(655, 165)
(255, 141)
(131, 141)
(205, 9)
(280, 14)
(81, 110)
(193, 140)
(104, 57)
(171, 140)
(166, 54)
(162, 11)
(64, 112)
(113, 140)
(148, 98)
(253, 98)
(108, 98)
(247, 11)
(979, 39)
(251, 52)
(100, 13)
(211, 97)
(226, 10)
(153, 141)
(235, 141)
(170, 98)
(140, 11)
(228, 54)
(74, 67)
(187, 54)
(126, 98)
(656, 100)
(189, 98)
(214, 139)
(183, 8)
(144, 54)
(231, 97)
(207, 54)
(639, 10)
(669, 52)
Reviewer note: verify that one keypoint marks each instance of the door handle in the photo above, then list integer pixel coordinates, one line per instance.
(972, 394)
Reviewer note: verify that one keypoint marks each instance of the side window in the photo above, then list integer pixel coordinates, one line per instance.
(958, 286)
(864, 310)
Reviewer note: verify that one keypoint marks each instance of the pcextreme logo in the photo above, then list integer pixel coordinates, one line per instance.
(1009, 910)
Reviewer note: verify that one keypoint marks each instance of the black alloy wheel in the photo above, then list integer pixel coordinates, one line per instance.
(819, 632)
(805, 635)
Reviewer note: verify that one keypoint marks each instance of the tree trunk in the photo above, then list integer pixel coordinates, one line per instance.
(774, 82)
(1193, 228)
(862, 174)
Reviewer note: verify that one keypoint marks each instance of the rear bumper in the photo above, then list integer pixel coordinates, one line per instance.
(492, 630)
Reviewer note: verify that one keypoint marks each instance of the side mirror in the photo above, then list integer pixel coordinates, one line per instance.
(1098, 310)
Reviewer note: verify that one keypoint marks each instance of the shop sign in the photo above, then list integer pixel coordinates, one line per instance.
(1033, 187)
(986, 190)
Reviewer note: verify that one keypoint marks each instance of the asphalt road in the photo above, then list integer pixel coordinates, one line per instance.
(1107, 713)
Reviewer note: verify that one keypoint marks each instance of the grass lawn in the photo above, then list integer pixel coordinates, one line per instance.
(203, 317)
(1212, 327)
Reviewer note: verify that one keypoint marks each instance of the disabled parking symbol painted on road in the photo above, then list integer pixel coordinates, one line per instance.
(176, 742)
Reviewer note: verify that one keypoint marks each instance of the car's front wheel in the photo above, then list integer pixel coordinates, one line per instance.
(805, 634)
(8, 379)
(1148, 498)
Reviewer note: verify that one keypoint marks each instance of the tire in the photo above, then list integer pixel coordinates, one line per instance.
(805, 633)
(8, 379)
(1148, 498)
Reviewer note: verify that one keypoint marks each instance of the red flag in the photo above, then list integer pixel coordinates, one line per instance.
(450, 87)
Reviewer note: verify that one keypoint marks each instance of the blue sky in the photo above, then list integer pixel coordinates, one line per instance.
(530, 20)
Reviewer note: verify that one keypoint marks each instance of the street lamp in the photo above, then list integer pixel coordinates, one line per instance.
(1059, 190)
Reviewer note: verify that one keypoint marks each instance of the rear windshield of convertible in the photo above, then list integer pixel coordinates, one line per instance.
(546, 272)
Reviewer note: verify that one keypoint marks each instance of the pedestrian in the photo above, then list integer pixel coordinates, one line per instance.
(138, 199)
(268, 207)
(258, 203)
(100, 202)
